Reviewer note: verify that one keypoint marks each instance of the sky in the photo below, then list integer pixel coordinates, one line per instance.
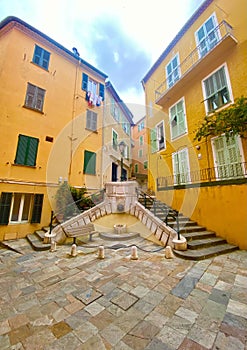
(122, 38)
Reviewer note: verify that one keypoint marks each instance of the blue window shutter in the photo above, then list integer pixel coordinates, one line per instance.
(102, 91)
(5, 203)
(84, 81)
(37, 208)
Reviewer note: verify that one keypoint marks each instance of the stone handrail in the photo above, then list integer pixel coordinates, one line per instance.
(161, 231)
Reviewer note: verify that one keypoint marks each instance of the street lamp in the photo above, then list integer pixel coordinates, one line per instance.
(121, 149)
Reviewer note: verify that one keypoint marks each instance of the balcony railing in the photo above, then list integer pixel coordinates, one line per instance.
(222, 172)
(220, 33)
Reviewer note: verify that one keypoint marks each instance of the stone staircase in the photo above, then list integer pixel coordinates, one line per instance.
(201, 243)
(36, 239)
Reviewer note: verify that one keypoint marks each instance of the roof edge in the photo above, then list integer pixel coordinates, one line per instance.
(182, 31)
(10, 19)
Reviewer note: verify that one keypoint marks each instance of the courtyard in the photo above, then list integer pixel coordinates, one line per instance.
(53, 301)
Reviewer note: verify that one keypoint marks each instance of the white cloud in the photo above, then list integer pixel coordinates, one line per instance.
(148, 27)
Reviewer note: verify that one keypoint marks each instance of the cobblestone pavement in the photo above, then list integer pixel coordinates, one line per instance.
(53, 301)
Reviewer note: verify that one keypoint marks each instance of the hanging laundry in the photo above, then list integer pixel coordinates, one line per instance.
(88, 93)
(99, 100)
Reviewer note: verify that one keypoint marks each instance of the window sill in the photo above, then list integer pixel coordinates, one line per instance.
(37, 65)
(25, 165)
(94, 131)
(33, 109)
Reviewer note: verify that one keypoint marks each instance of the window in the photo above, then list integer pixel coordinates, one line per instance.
(41, 57)
(140, 153)
(153, 140)
(26, 150)
(141, 141)
(126, 128)
(145, 164)
(216, 90)
(172, 71)
(91, 120)
(141, 126)
(34, 97)
(227, 157)
(92, 86)
(207, 36)
(157, 138)
(160, 136)
(181, 172)
(114, 140)
(178, 123)
(136, 168)
(20, 207)
(89, 163)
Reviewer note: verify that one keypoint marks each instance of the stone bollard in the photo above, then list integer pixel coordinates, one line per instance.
(168, 252)
(73, 250)
(53, 246)
(134, 254)
(101, 252)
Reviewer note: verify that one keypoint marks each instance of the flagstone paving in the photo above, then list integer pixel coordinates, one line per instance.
(49, 300)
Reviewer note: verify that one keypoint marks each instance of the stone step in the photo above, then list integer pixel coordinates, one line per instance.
(118, 237)
(198, 235)
(205, 253)
(36, 243)
(204, 243)
(191, 229)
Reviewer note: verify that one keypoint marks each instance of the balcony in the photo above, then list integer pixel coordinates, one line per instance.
(198, 60)
(233, 173)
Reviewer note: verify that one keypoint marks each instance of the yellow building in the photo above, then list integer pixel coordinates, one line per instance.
(117, 123)
(202, 71)
(140, 153)
(51, 105)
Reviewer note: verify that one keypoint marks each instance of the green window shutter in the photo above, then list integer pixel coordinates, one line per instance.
(21, 149)
(84, 81)
(153, 137)
(89, 163)
(228, 159)
(114, 140)
(32, 151)
(37, 208)
(102, 91)
(5, 203)
(26, 150)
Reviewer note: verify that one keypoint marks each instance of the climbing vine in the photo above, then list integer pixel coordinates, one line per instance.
(229, 121)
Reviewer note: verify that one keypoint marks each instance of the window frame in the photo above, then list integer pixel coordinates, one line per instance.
(89, 155)
(225, 166)
(34, 209)
(207, 44)
(180, 162)
(100, 88)
(91, 120)
(27, 156)
(159, 137)
(180, 122)
(39, 60)
(174, 78)
(208, 99)
(114, 144)
(32, 98)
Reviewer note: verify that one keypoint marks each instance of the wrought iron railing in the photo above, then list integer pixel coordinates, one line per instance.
(222, 31)
(233, 171)
(149, 202)
(76, 207)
